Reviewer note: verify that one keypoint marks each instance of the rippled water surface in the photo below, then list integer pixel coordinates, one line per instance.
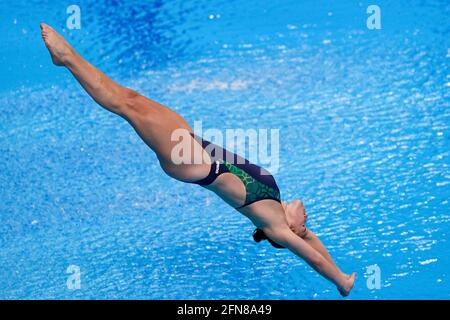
(364, 122)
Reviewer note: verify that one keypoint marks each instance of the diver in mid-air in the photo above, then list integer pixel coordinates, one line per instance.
(248, 188)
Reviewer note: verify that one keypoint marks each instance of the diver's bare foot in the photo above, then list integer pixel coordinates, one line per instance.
(58, 47)
(348, 285)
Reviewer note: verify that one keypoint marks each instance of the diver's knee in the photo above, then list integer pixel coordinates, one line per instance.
(130, 99)
(128, 102)
(125, 101)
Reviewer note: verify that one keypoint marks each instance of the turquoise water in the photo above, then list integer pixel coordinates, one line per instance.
(364, 118)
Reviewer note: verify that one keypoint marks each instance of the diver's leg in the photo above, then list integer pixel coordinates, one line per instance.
(107, 93)
(102, 89)
(153, 122)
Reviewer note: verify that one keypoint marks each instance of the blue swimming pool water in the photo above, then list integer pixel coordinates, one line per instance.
(364, 120)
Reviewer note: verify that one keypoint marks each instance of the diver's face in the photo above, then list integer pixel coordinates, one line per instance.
(296, 216)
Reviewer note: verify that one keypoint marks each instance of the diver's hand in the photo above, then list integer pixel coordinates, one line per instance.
(345, 289)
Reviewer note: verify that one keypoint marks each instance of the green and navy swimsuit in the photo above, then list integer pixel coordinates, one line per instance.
(259, 183)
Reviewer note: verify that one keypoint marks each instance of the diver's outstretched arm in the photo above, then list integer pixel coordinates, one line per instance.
(285, 237)
(315, 242)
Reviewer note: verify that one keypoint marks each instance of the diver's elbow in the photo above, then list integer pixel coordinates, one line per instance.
(317, 261)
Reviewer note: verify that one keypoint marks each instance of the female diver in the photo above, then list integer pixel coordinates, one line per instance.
(246, 187)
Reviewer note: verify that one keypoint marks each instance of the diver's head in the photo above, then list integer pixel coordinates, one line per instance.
(296, 217)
